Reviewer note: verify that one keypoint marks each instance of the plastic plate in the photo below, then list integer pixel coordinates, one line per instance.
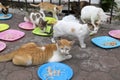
(115, 33)
(55, 71)
(50, 20)
(3, 27)
(3, 17)
(106, 42)
(2, 45)
(26, 25)
(11, 35)
(39, 32)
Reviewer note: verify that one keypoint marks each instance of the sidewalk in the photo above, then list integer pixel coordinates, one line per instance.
(92, 63)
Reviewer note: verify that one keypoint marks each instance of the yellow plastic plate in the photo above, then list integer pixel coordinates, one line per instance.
(50, 20)
(39, 32)
(3, 27)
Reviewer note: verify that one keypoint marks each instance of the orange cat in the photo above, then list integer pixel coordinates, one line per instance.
(32, 54)
(4, 8)
(49, 7)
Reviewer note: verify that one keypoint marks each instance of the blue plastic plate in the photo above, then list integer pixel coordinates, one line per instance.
(106, 42)
(3, 17)
(59, 71)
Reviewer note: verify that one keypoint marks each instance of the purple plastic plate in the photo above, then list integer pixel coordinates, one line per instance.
(2, 45)
(26, 25)
(11, 35)
(115, 33)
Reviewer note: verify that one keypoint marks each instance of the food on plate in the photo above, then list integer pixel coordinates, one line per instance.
(113, 43)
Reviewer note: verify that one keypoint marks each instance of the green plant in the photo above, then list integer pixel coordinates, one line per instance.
(107, 4)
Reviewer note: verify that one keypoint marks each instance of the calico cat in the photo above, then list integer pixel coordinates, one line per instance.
(69, 26)
(37, 19)
(49, 7)
(4, 9)
(77, 6)
(32, 54)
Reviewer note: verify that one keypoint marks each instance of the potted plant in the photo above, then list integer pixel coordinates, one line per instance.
(107, 4)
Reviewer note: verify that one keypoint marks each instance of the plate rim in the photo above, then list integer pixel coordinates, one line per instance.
(25, 28)
(45, 34)
(23, 34)
(10, 16)
(92, 40)
(44, 65)
(112, 35)
(3, 43)
(5, 25)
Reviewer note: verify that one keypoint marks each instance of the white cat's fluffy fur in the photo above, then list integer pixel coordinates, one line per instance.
(69, 25)
(94, 15)
(70, 18)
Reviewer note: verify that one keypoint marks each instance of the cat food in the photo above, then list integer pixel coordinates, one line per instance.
(53, 72)
(110, 43)
(6, 16)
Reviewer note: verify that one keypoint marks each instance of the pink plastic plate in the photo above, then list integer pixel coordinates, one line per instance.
(2, 46)
(11, 35)
(26, 25)
(115, 33)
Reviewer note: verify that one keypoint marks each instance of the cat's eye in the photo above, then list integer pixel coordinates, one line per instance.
(62, 48)
(67, 49)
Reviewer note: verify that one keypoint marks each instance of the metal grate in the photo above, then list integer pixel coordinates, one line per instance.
(25, 4)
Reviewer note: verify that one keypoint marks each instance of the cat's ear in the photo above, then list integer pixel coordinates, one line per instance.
(7, 6)
(61, 6)
(57, 8)
(46, 21)
(72, 42)
(91, 27)
(58, 42)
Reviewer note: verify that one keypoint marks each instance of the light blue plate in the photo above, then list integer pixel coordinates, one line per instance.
(104, 42)
(66, 72)
(3, 17)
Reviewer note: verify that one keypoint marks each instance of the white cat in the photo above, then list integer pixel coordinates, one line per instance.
(93, 15)
(70, 18)
(71, 27)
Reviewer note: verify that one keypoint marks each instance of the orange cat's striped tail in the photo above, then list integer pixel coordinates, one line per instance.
(6, 57)
(35, 5)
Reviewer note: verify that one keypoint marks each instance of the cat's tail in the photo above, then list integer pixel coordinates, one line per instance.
(6, 57)
(35, 5)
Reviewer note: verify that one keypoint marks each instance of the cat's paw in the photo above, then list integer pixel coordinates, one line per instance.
(83, 46)
(69, 56)
(93, 32)
(53, 40)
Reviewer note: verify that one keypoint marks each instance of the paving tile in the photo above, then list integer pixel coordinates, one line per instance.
(92, 63)
(99, 76)
(115, 73)
(20, 75)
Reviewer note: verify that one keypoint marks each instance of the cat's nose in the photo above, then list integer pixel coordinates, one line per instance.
(41, 28)
(61, 14)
